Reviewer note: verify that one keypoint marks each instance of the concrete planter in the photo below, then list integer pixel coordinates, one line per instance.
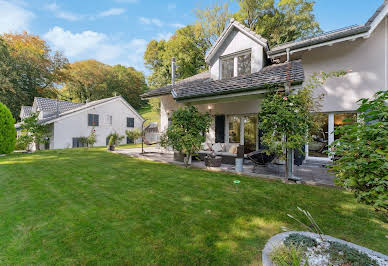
(276, 240)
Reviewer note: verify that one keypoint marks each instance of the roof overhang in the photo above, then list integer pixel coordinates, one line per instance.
(328, 39)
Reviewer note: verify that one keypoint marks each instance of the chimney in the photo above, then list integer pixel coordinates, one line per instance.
(173, 71)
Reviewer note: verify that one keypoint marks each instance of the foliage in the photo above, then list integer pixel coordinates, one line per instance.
(288, 120)
(186, 45)
(361, 153)
(212, 21)
(115, 139)
(7, 130)
(186, 132)
(38, 131)
(133, 134)
(299, 240)
(32, 69)
(341, 254)
(288, 256)
(91, 139)
(93, 80)
(114, 202)
(310, 225)
(23, 142)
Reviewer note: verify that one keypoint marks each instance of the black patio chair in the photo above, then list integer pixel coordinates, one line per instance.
(260, 157)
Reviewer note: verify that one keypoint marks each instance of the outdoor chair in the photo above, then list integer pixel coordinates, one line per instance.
(260, 158)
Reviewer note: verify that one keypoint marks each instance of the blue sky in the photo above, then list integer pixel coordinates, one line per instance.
(117, 31)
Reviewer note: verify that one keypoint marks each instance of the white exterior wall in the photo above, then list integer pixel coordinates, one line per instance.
(237, 42)
(366, 58)
(76, 125)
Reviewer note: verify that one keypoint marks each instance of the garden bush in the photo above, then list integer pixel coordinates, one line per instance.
(361, 153)
(299, 240)
(7, 130)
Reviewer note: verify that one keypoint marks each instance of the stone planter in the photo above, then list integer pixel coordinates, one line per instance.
(276, 240)
(213, 161)
(111, 148)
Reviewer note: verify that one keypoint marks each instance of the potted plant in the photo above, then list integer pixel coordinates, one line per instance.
(114, 140)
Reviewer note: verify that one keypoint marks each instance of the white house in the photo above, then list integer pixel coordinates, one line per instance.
(69, 121)
(242, 66)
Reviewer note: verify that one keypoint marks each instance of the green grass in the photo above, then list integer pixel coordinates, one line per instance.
(131, 146)
(148, 113)
(94, 207)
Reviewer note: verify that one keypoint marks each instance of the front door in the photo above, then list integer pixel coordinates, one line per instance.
(220, 128)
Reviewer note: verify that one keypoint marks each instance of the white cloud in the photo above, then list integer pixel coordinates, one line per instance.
(59, 13)
(90, 44)
(73, 44)
(177, 25)
(163, 36)
(171, 6)
(14, 18)
(112, 12)
(151, 21)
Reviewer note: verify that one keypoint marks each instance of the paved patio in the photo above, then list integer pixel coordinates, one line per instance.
(311, 173)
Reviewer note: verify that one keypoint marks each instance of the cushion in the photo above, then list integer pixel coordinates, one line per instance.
(218, 147)
(233, 149)
(205, 147)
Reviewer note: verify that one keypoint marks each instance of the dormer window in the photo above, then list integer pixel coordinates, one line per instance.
(244, 64)
(235, 65)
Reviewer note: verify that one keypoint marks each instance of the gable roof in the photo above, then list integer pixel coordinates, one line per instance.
(235, 24)
(81, 107)
(50, 105)
(339, 35)
(273, 75)
(25, 111)
(166, 90)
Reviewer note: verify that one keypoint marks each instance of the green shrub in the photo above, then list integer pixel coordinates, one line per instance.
(288, 256)
(115, 139)
(361, 153)
(299, 240)
(341, 254)
(7, 130)
(133, 134)
(23, 141)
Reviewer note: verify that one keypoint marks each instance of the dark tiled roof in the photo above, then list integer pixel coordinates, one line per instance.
(79, 108)
(325, 37)
(201, 77)
(25, 111)
(329, 36)
(270, 75)
(50, 105)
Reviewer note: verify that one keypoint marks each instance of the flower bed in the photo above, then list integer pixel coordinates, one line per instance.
(304, 248)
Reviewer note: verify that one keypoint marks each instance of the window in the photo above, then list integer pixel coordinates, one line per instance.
(130, 122)
(244, 64)
(318, 147)
(234, 129)
(93, 120)
(108, 120)
(227, 66)
(77, 143)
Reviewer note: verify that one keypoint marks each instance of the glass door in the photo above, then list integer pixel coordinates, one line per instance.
(319, 146)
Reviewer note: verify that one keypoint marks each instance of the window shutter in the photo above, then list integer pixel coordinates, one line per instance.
(90, 120)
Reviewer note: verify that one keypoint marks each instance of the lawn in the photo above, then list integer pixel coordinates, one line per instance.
(93, 207)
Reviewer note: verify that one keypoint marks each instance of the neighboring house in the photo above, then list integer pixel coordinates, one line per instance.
(69, 121)
(242, 66)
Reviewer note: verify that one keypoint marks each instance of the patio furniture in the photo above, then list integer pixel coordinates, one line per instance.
(211, 161)
(260, 158)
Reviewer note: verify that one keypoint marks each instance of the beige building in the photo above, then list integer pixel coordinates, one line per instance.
(242, 66)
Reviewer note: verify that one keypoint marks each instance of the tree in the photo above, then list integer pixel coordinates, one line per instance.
(133, 134)
(212, 20)
(33, 70)
(186, 46)
(38, 131)
(7, 130)
(361, 153)
(93, 80)
(288, 120)
(187, 131)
